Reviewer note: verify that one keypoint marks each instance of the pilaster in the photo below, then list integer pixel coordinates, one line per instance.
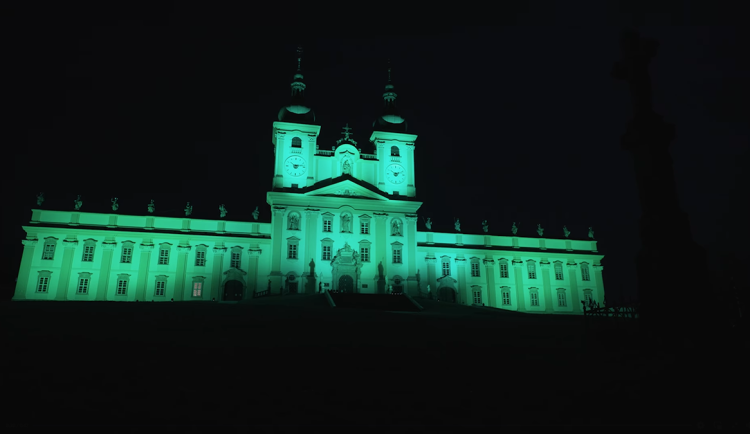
(520, 294)
(574, 298)
(489, 272)
(411, 254)
(179, 283)
(252, 272)
(67, 265)
(108, 248)
(463, 290)
(431, 278)
(381, 251)
(22, 284)
(218, 271)
(549, 306)
(143, 269)
(311, 244)
(277, 224)
(599, 296)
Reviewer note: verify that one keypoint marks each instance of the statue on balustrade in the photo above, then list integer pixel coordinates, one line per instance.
(591, 232)
(222, 211)
(566, 231)
(485, 227)
(188, 209)
(539, 229)
(151, 207)
(514, 229)
(78, 203)
(115, 205)
(457, 225)
(256, 213)
(39, 199)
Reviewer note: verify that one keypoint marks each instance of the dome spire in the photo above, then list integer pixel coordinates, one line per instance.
(297, 110)
(390, 120)
(298, 86)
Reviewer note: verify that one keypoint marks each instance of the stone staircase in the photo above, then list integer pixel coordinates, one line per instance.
(384, 302)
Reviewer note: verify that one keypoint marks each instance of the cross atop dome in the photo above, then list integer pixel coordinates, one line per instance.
(299, 59)
(347, 136)
(346, 132)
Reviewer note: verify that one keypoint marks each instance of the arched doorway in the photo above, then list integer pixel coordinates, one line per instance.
(447, 294)
(346, 283)
(233, 290)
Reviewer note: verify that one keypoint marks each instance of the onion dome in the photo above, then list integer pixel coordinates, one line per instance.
(297, 111)
(390, 120)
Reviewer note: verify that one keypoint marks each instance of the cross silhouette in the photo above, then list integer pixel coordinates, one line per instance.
(346, 131)
(637, 53)
(299, 58)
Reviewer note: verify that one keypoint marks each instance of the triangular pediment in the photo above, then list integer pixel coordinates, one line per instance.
(346, 188)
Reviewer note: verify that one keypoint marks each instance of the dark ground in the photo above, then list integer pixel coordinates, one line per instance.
(294, 360)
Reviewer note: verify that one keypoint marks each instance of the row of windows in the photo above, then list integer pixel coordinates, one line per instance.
(534, 297)
(531, 269)
(84, 280)
(293, 223)
(297, 143)
(327, 251)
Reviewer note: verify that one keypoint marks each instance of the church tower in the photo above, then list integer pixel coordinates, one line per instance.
(394, 148)
(295, 138)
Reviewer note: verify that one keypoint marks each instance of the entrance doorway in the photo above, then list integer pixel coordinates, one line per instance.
(346, 283)
(447, 295)
(292, 287)
(233, 290)
(398, 289)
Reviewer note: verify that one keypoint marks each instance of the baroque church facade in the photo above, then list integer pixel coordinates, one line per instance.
(342, 220)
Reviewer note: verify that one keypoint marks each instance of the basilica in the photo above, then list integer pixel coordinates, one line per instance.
(342, 220)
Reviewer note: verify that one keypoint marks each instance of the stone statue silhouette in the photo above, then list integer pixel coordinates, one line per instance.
(78, 203)
(485, 226)
(457, 225)
(539, 229)
(591, 232)
(346, 223)
(222, 211)
(256, 213)
(514, 229)
(188, 209)
(151, 207)
(39, 199)
(294, 222)
(428, 224)
(566, 231)
(347, 168)
(115, 205)
(396, 227)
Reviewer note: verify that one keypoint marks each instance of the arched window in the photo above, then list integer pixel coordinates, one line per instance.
(532, 269)
(585, 271)
(506, 295)
(296, 142)
(394, 151)
(558, 270)
(561, 298)
(503, 268)
(446, 261)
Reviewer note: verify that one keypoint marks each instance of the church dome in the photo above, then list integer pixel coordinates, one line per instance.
(390, 120)
(297, 111)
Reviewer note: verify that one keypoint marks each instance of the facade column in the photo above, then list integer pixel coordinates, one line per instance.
(520, 294)
(381, 252)
(411, 252)
(277, 224)
(179, 283)
(574, 299)
(549, 307)
(311, 250)
(380, 152)
(252, 273)
(464, 292)
(143, 269)
(599, 296)
(109, 249)
(219, 252)
(431, 278)
(22, 284)
(411, 188)
(67, 265)
(489, 271)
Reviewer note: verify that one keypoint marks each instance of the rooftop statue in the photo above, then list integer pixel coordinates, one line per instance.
(591, 232)
(566, 231)
(457, 225)
(539, 229)
(78, 203)
(39, 199)
(151, 207)
(222, 211)
(256, 213)
(514, 229)
(115, 205)
(188, 209)
(428, 223)
(485, 226)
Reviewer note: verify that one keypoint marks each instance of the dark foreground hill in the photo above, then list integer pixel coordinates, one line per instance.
(297, 361)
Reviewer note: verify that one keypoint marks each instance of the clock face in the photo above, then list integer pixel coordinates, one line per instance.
(295, 165)
(395, 173)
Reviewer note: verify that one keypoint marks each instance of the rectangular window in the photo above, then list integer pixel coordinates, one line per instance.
(161, 287)
(83, 285)
(506, 298)
(326, 253)
(327, 225)
(474, 269)
(587, 296)
(477, 297)
(532, 270)
(88, 254)
(446, 268)
(43, 284)
(585, 272)
(164, 257)
(561, 299)
(534, 299)
(558, 272)
(236, 262)
(127, 255)
(200, 258)
(197, 289)
(364, 227)
(49, 251)
(396, 256)
(364, 254)
(122, 287)
(292, 251)
(504, 270)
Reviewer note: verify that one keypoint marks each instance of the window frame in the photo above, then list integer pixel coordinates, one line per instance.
(475, 268)
(89, 249)
(585, 272)
(160, 285)
(559, 275)
(531, 269)
(397, 253)
(84, 282)
(562, 298)
(504, 273)
(534, 298)
(445, 268)
(164, 254)
(50, 246)
(201, 255)
(126, 252)
(43, 281)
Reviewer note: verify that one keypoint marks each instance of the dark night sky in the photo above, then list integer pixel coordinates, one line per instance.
(518, 122)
